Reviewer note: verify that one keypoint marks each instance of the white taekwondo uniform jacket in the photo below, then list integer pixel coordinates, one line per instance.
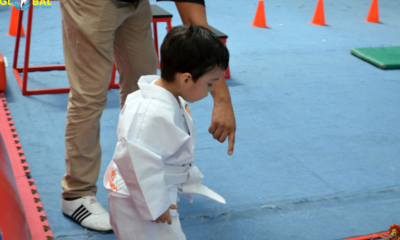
(153, 158)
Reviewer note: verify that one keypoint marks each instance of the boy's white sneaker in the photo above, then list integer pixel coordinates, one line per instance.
(88, 212)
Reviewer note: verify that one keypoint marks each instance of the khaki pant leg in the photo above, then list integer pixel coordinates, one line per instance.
(134, 50)
(88, 35)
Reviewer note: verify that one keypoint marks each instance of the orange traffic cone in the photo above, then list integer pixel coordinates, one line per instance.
(259, 18)
(319, 16)
(12, 31)
(373, 14)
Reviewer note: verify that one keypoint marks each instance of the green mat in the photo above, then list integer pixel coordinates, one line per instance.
(381, 57)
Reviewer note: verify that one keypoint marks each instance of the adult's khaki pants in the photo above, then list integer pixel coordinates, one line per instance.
(96, 33)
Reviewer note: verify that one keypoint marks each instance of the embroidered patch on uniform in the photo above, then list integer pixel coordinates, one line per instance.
(113, 174)
(187, 109)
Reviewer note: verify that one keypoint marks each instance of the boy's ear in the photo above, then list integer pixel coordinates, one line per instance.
(185, 78)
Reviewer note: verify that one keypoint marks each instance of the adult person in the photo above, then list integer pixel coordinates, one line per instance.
(96, 33)
(223, 122)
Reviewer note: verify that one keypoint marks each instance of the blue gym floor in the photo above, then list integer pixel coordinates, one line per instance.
(317, 152)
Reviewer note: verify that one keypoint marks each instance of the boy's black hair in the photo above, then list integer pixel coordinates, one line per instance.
(194, 49)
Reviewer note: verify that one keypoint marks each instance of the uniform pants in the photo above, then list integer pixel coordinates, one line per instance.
(127, 225)
(96, 33)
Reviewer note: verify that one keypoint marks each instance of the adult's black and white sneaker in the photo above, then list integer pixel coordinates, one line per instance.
(88, 212)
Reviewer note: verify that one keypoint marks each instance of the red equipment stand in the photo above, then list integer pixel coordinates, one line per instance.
(22, 215)
(163, 17)
(227, 73)
(159, 15)
(222, 36)
(25, 69)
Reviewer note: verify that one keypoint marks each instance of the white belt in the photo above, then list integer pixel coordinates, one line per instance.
(188, 179)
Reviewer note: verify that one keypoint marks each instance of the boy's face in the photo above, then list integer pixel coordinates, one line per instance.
(195, 91)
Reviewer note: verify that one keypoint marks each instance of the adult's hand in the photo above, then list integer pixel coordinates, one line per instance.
(223, 123)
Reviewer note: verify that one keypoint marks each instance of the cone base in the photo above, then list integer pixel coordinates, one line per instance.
(321, 24)
(14, 35)
(372, 21)
(264, 26)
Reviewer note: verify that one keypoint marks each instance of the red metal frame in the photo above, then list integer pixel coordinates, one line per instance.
(227, 73)
(25, 69)
(155, 21)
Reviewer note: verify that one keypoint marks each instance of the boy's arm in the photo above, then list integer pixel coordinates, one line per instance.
(146, 135)
(143, 173)
(166, 216)
(223, 121)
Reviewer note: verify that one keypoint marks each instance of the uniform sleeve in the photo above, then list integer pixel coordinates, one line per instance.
(143, 173)
(147, 136)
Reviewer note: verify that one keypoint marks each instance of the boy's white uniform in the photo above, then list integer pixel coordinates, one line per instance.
(152, 163)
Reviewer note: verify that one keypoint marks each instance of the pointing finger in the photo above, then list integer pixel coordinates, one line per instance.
(231, 140)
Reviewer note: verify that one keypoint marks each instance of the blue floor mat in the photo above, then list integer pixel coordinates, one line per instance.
(318, 131)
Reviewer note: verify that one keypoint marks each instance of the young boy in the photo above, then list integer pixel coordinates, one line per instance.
(153, 159)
